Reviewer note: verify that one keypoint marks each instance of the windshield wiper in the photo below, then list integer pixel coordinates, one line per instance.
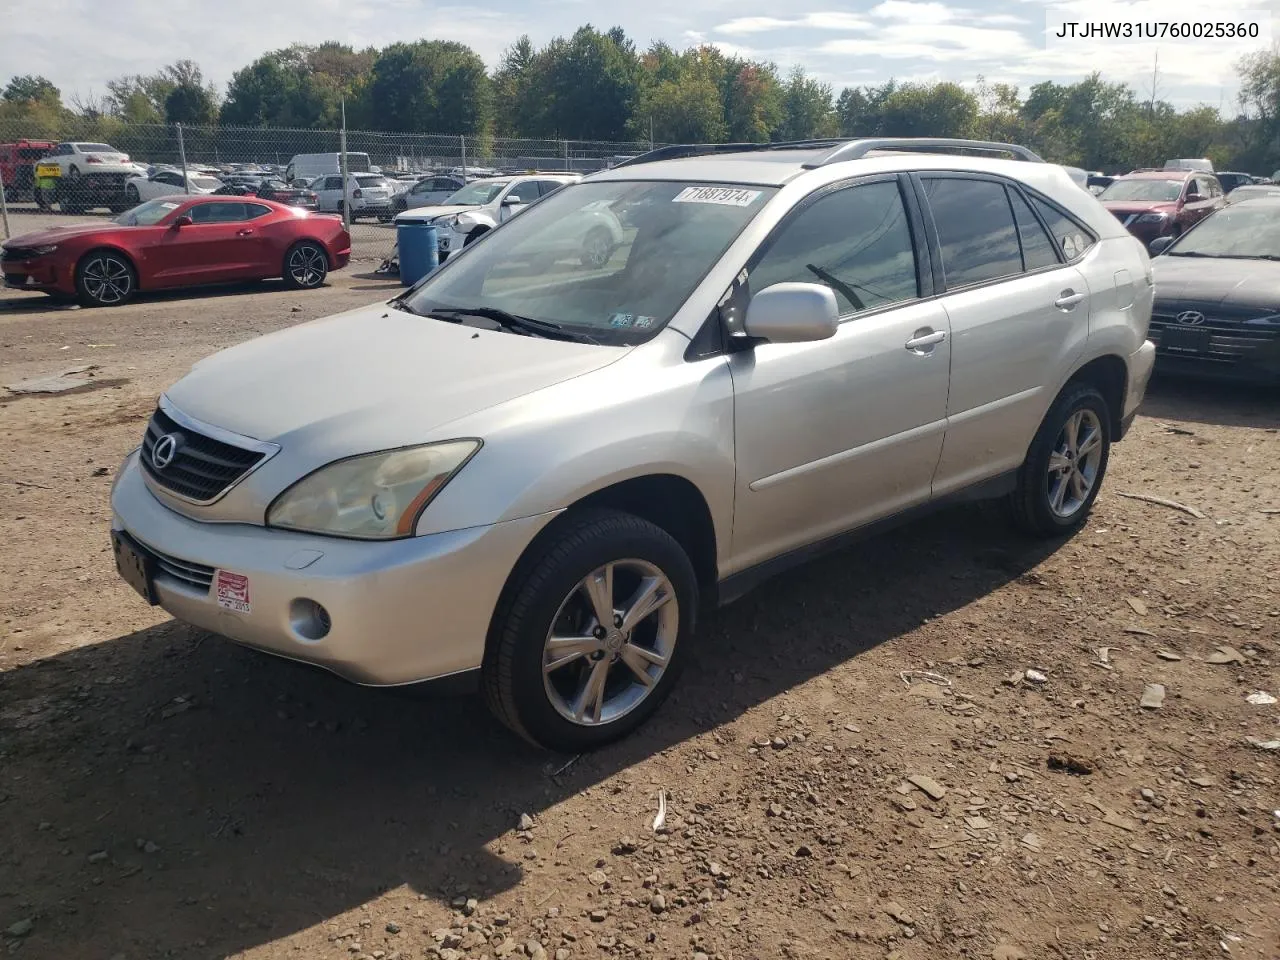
(399, 303)
(513, 321)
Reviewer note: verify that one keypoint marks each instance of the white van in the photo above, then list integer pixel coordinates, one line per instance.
(1195, 165)
(308, 166)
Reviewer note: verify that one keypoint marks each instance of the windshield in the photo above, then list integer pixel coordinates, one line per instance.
(610, 260)
(475, 194)
(1245, 231)
(147, 214)
(1162, 191)
(97, 148)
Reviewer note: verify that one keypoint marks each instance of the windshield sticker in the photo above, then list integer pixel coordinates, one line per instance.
(724, 196)
(631, 320)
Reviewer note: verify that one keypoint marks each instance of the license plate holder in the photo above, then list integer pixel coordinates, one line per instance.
(1185, 339)
(135, 566)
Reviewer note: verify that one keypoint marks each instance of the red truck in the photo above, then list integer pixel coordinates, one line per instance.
(17, 166)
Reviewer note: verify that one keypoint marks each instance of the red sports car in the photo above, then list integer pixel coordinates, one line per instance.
(177, 242)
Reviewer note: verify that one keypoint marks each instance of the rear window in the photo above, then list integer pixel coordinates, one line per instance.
(370, 181)
(28, 153)
(96, 148)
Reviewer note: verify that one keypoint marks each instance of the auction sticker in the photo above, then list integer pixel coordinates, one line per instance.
(725, 196)
(233, 591)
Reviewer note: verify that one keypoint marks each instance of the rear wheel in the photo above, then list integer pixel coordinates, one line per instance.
(105, 278)
(305, 265)
(1065, 465)
(591, 633)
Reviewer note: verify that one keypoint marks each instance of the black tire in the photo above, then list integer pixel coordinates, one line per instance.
(105, 278)
(475, 235)
(542, 590)
(597, 247)
(1033, 501)
(69, 199)
(306, 265)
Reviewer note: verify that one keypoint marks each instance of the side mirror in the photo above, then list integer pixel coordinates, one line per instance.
(1193, 197)
(793, 313)
(1159, 245)
(510, 201)
(182, 221)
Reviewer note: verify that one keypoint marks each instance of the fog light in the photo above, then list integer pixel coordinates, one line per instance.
(309, 620)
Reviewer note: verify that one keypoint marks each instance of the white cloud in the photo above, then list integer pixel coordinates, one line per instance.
(812, 21)
(914, 11)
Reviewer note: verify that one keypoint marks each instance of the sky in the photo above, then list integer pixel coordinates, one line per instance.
(842, 43)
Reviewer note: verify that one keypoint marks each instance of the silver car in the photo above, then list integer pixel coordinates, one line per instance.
(538, 476)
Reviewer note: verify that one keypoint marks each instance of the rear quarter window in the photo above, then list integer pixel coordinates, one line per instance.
(1072, 238)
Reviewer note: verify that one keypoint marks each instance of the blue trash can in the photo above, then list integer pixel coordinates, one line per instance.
(416, 243)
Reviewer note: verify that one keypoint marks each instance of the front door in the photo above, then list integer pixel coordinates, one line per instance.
(217, 245)
(835, 434)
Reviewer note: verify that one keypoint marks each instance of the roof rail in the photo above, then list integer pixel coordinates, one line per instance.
(857, 149)
(678, 151)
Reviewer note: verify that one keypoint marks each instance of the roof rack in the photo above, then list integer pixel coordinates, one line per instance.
(857, 149)
(677, 151)
(838, 149)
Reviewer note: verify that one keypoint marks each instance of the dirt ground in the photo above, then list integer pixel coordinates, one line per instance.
(864, 758)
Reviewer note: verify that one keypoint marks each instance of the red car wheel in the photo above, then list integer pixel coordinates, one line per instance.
(305, 265)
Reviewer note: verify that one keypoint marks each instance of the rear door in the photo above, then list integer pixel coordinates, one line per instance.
(1019, 315)
(328, 190)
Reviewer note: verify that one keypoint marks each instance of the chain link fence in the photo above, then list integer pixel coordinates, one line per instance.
(243, 154)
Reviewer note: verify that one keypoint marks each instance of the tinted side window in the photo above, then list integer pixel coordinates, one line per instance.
(527, 191)
(217, 212)
(1073, 239)
(254, 210)
(549, 186)
(975, 230)
(856, 241)
(1037, 248)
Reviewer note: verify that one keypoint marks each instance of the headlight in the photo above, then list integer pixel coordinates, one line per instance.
(378, 496)
(1152, 217)
(45, 250)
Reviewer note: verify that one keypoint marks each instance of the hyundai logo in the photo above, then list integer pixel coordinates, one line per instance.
(1190, 318)
(165, 450)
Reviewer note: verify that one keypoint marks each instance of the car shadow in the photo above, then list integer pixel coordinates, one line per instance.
(172, 794)
(1224, 403)
(40, 302)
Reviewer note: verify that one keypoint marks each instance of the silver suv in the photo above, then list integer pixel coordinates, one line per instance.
(537, 474)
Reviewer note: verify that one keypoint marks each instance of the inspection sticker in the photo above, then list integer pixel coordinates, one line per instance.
(725, 196)
(233, 591)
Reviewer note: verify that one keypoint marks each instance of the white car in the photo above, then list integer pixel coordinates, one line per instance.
(90, 175)
(483, 204)
(167, 183)
(369, 194)
(430, 191)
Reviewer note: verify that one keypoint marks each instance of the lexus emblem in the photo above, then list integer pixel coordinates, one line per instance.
(164, 451)
(1190, 318)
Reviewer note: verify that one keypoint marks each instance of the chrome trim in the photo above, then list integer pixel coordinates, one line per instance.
(264, 447)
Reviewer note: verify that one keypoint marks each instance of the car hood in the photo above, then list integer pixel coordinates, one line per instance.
(372, 379)
(423, 214)
(1140, 206)
(39, 238)
(1245, 287)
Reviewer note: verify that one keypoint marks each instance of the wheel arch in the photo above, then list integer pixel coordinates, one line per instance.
(1110, 375)
(329, 256)
(668, 501)
(100, 247)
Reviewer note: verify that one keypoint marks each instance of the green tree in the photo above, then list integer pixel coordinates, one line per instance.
(807, 109)
(431, 86)
(277, 90)
(32, 89)
(752, 99)
(588, 85)
(928, 110)
(517, 103)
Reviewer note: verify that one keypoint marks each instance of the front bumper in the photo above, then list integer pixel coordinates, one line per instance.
(41, 274)
(399, 611)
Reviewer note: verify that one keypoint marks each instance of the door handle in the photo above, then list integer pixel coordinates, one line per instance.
(925, 340)
(244, 233)
(1068, 300)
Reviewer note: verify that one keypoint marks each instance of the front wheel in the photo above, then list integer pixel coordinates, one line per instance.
(591, 633)
(305, 266)
(1062, 474)
(105, 278)
(597, 248)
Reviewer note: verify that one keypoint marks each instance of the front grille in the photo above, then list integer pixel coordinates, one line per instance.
(202, 468)
(1221, 340)
(17, 253)
(192, 574)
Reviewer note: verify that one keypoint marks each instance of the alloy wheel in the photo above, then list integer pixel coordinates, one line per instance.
(610, 642)
(107, 279)
(307, 266)
(1074, 462)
